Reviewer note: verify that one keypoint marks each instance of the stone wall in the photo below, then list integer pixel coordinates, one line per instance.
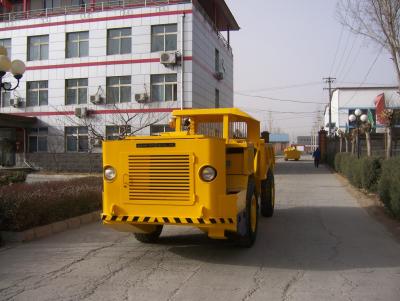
(66, 162)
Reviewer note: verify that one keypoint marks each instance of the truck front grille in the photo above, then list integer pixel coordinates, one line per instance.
(160, 177)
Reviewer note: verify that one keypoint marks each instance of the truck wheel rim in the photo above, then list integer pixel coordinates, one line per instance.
(253, 214)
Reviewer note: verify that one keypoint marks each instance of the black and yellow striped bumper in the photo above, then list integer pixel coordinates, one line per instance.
(166, 220)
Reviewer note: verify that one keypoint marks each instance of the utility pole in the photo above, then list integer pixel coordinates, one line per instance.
(270, 122)
(329, 80)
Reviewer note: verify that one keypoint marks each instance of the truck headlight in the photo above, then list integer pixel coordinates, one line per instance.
(110, 173)
(208, 173)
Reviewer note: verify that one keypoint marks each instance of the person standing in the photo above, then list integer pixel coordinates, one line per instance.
(317, 156)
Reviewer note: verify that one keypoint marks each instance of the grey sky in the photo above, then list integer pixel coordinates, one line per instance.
(291, 42)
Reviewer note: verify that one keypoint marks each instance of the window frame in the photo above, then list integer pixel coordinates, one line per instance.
(77, 89)
(163, 34)
(8, 48)
(164, 84)
(217, 98)
(78, 135)
(41, 45)
(119, 85)
(37, 90)
(77, 42)
(5, 95)
(116, 135)
(120, 37)
(36, 133)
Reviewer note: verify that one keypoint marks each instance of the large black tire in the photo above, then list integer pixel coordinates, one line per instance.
(149, 237)
(268, 195)
(249, 238)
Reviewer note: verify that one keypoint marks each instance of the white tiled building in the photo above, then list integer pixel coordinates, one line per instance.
(345, 100)
(101, 60)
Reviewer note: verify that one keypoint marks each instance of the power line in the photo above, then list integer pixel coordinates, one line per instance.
(337, 49)
(280, 112)
(279, 99)
(281, 87)
(330, 80)
(339, 65)
(345, 63)
(366, 76)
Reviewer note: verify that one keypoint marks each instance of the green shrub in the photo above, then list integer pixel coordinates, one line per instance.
(389, 185)
(10, 177)
(370, 173)
(362, 173)
(23, 206)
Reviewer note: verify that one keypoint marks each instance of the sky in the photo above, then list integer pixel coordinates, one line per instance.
(284, 50)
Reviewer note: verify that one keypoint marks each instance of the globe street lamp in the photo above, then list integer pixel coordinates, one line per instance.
(359, 118)
(16, 67)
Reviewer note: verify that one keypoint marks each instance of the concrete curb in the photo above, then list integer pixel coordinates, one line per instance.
(47, 230)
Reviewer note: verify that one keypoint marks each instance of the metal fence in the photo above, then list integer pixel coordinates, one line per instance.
(378, 145)
(69, 9)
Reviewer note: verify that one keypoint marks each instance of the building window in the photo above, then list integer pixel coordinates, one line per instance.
(156, 129)
(164, 37)
(164, 87)
(38, 48)
(37, 140)
(76, 91)
(49, 4)
(76, 139)
(217, 61)
(115, 132)
(5, 98)
(118, 89)
(119, 41)
(216, 98)
(77, 44)
(37, 93)
(6, 43)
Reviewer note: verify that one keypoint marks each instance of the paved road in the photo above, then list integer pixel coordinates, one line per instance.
(319, 246)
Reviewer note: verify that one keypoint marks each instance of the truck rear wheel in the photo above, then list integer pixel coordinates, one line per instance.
(268, 195)
(149, 237)
(251, 216)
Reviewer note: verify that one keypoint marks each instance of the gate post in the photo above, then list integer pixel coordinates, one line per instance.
(322, 143)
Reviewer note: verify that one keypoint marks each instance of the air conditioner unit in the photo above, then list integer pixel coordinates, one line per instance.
(141, 97)
(81, 112)
(96, 99)
(16, 102)
(219, 75)
(168, 58)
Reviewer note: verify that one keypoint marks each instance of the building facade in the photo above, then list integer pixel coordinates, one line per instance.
(101, 70)
(346, 100)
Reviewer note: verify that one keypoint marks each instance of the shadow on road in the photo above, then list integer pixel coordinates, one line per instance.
(299, 167)
(313, 238)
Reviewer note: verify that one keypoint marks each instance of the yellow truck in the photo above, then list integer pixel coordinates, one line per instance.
(213, 172)
(292, 153)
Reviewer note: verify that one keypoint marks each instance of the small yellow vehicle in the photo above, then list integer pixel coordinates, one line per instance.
(292, 153)
(213, 172)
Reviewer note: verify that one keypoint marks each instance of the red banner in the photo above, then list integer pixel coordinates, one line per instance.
(5, 3)
(380, 106)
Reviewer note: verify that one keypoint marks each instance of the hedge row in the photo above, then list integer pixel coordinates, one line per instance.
(375, 175)
(24, 206)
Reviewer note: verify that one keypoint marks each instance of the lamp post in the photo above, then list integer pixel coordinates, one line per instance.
(16, 67)
(359, 118)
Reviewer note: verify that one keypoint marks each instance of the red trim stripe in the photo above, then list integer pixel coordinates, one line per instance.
(91, 64)
(97, 112)
(100, 19)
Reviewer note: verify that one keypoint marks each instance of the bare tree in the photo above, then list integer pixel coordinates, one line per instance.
(128, 123)
(376, 19)
(366, 129)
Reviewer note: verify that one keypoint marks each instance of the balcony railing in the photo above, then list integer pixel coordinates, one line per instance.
(86, 8)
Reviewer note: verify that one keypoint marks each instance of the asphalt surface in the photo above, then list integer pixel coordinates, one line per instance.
(320, 245)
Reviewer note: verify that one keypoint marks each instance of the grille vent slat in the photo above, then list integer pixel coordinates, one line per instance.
(159, 178)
